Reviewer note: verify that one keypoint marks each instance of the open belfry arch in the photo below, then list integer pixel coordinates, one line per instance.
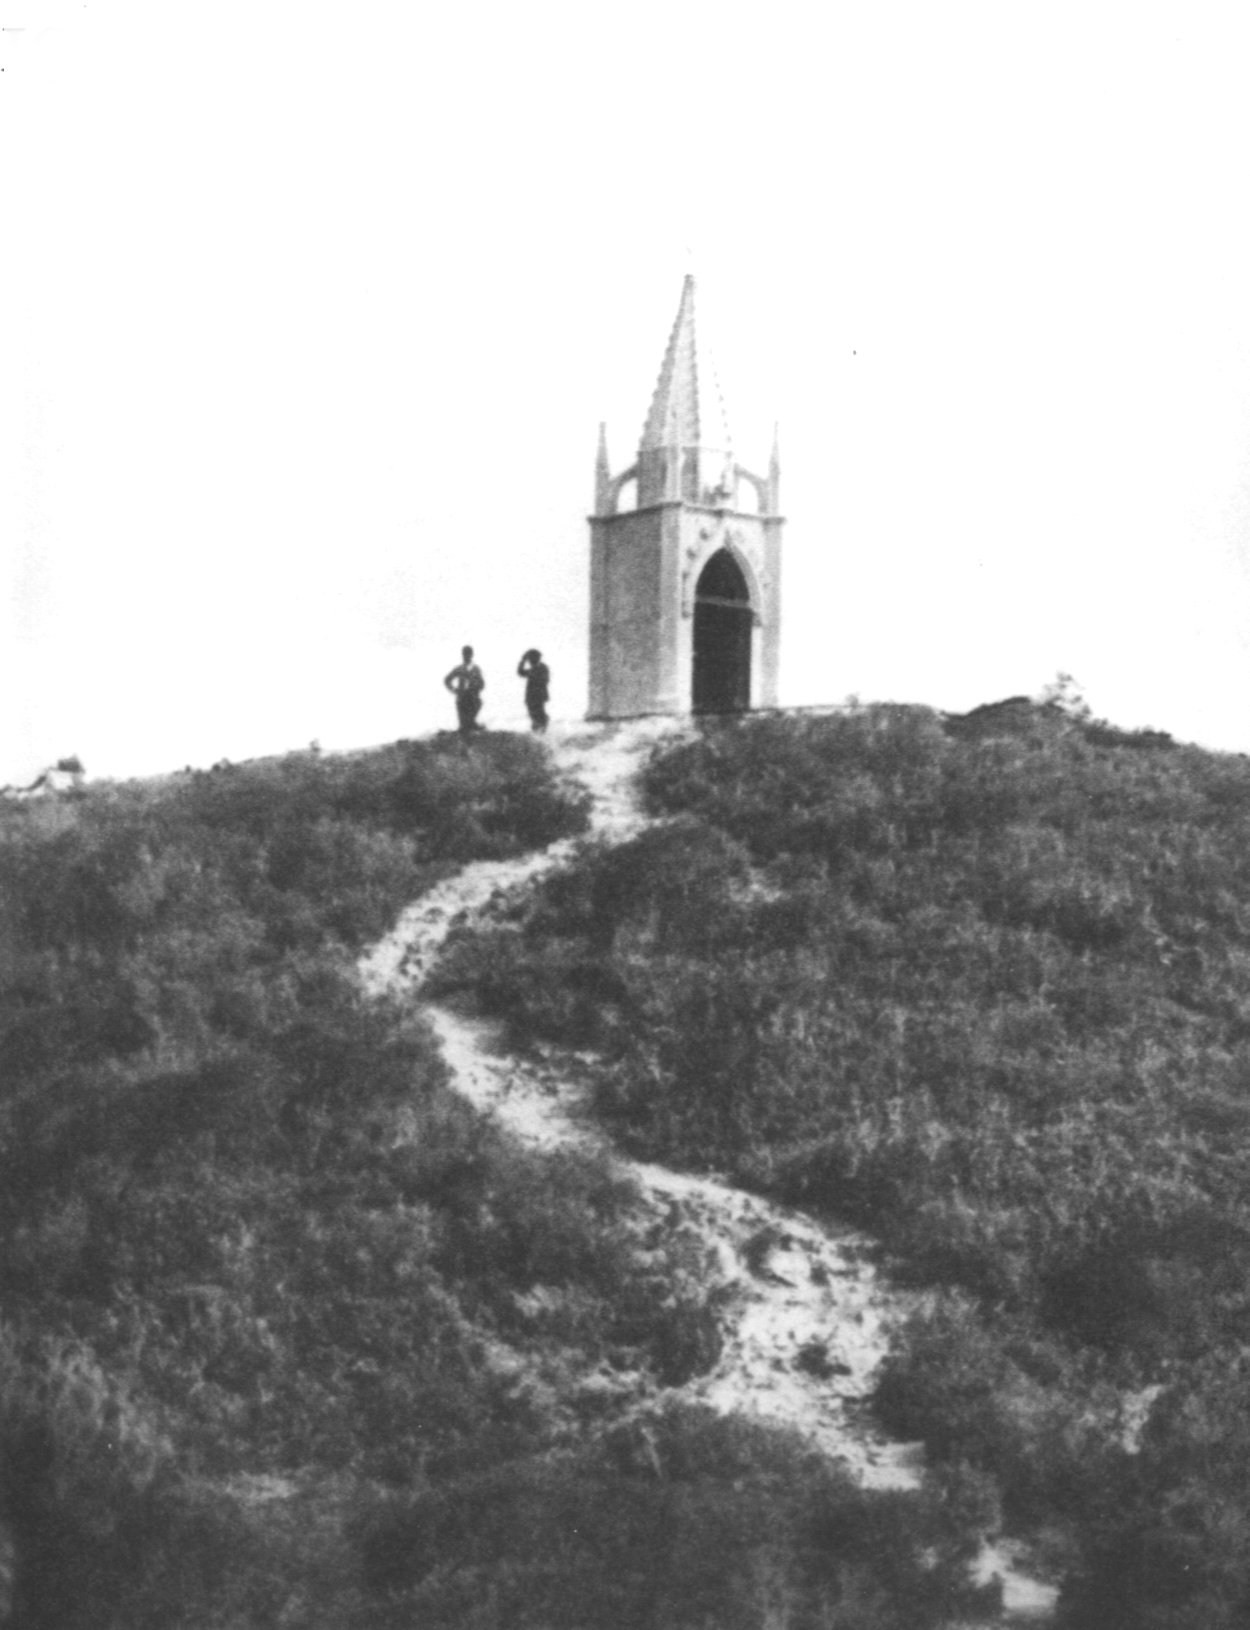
(685, 581)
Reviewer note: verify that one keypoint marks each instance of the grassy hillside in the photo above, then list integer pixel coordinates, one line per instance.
(289, 1335)
(984, 987)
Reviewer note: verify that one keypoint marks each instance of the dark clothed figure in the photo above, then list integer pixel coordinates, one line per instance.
(537, 676)
(466, 684)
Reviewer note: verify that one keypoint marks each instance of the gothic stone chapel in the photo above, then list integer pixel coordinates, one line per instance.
(685, 557)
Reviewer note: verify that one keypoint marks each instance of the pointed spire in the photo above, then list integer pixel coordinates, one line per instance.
(603, 474)
(687, 409)
(686, 452)
(774, 474)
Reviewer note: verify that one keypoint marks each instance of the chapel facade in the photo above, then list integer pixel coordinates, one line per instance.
(685, 556)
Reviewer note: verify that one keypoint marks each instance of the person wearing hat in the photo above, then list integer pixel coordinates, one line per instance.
(537, 676)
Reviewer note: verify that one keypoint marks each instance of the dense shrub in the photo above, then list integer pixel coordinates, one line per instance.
(673, 1518)
(980, 985)
(219, 1263)
(1168, 1543)
(292, 1335)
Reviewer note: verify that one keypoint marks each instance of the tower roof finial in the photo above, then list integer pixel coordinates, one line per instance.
(603, 473)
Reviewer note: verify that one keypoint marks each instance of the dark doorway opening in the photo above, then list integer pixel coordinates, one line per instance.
(723, 621)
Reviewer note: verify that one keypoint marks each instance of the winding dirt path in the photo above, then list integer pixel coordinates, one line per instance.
(807, 1318)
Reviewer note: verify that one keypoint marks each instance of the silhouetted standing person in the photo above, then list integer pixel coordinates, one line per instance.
(537, 676)
(466, 684)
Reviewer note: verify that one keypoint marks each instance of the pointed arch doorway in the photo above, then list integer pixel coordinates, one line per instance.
(723, 625)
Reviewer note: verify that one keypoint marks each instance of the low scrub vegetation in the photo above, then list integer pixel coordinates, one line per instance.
(982, 986)
(290, 1335)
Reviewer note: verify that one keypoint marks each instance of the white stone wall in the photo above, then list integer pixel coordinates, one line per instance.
(644, 568)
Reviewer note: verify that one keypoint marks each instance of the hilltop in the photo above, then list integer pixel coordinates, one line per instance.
(293, 1333)
(980, 985)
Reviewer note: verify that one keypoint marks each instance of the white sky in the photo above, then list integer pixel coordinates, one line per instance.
(310, 315)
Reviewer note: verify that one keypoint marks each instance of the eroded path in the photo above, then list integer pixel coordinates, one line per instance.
(806, 1321)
